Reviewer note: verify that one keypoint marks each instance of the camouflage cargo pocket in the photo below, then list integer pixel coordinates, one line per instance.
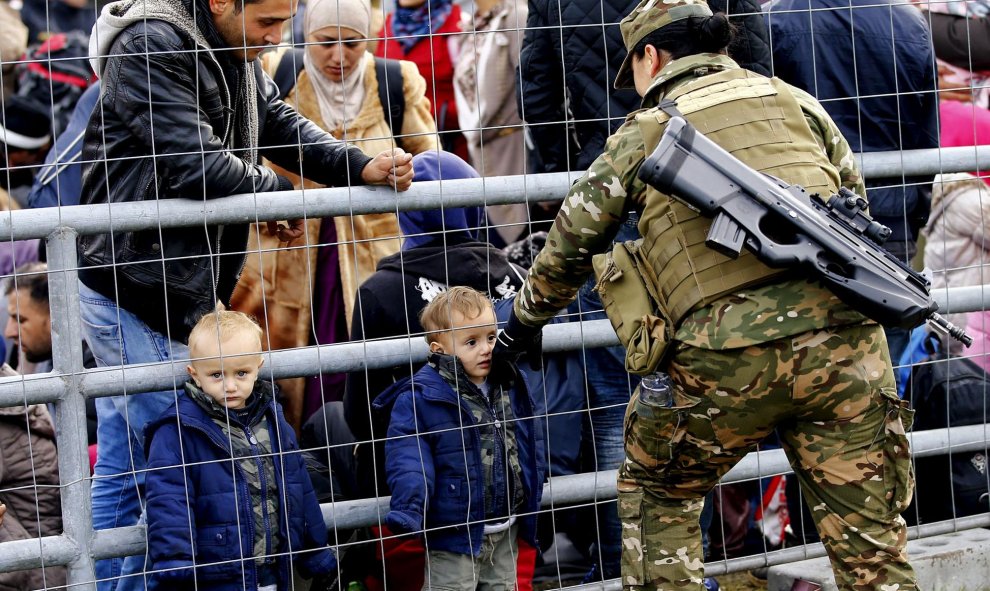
(898, 471)
(633, 561)
(654, 433)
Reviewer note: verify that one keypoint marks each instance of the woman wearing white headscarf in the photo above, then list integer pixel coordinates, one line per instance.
(343, 98)
(338, 90)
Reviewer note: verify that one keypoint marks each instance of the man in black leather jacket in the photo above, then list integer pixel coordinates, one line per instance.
(185, 112)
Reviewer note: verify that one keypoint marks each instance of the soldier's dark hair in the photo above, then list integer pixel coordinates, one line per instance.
(689, 36)
(34, 278)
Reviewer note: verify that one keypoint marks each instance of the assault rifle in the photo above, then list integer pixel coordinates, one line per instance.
(834, 238)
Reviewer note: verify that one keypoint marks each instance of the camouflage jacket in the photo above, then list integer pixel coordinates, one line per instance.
(597, 203)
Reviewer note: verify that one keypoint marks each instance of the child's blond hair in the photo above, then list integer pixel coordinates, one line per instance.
(468, 302)
(220, 325)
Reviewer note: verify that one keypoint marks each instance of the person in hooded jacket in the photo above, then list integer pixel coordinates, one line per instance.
(465, 453)
(440, 248)
(230, 503)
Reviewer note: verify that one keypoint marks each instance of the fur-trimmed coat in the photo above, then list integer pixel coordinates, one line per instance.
(277, 281)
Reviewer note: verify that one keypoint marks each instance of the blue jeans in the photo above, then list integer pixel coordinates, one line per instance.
(118, 337)
(609, 390)
(897, 342)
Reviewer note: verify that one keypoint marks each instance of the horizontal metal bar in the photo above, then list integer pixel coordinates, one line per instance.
(560, 491)
(306, 361)
(121, 541)
(355, 356)
(26, 554)
(126, 541)
(279, 205)
(31, 389)
(923, 444)
(898, 164)
(174, 213)
(972, 298)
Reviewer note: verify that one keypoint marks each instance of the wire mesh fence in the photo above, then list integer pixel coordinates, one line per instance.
(169, 206)
(70, 383)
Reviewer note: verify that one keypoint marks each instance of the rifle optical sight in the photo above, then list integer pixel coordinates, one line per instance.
(850, 208)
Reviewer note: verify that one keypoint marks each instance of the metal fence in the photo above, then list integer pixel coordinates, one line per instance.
(69, 385)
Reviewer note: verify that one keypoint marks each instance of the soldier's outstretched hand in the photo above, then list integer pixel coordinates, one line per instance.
(517, 340)
(391, 167)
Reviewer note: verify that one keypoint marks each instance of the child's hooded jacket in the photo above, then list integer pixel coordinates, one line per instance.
(195, 492)
(433, 459)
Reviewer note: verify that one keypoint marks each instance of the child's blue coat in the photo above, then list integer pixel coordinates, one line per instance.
(433, 463)
(208, 502)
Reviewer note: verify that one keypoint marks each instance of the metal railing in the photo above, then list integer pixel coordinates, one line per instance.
(69, 384)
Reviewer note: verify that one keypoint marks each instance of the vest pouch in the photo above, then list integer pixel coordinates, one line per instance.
(630, 306)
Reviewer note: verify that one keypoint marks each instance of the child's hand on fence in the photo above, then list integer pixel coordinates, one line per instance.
(3, 510)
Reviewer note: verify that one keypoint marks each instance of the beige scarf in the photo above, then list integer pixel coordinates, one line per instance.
(340, 102)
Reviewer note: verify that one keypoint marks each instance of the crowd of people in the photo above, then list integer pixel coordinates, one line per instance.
(141, 100)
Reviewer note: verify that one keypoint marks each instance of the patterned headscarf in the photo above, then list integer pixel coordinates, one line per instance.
(412, 25)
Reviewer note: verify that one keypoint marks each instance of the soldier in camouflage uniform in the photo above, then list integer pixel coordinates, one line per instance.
(751, 349)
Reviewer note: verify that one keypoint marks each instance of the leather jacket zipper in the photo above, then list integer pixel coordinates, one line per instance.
(216, 265)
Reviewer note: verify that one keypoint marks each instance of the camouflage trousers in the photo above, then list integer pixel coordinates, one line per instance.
(830, 395)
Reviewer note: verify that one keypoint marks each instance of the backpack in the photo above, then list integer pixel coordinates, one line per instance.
(387, 71)
(949, 392)
(55, 73)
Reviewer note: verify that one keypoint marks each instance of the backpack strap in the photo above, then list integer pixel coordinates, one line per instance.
(288, 70)
(390, 92)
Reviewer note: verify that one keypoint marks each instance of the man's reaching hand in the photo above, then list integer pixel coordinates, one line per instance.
(391, 167)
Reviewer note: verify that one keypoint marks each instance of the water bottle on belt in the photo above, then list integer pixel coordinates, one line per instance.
(657, 389)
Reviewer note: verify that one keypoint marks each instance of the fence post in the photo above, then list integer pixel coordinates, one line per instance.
(70, 412)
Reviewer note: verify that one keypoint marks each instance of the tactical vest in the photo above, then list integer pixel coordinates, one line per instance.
(756, 119)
